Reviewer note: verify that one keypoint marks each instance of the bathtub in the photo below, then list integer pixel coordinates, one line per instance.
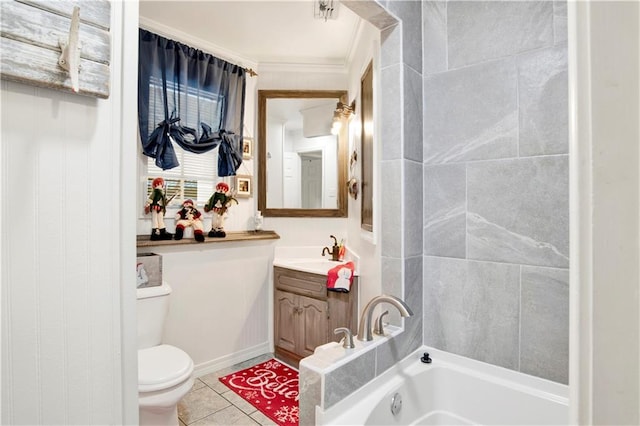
(451, 390)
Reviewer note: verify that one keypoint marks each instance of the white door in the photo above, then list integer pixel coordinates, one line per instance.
(311, 178)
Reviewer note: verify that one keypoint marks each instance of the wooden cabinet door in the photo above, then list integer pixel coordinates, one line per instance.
(313, 325)
(286, 316)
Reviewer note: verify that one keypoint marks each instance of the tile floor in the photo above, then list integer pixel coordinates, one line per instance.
(211, 403)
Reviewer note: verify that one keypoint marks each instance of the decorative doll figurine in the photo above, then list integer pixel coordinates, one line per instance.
(187, 216)
(157, 205)
(219, 203)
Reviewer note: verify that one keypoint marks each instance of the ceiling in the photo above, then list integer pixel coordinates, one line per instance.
(261, 31)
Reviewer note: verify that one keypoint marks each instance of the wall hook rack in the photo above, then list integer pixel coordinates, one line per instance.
(70, 56)
(35, 32)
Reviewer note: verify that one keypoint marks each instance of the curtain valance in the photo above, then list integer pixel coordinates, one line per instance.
(191, 98)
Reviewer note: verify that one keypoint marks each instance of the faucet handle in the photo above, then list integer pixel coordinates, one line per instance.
(348, 337)
(379, 326)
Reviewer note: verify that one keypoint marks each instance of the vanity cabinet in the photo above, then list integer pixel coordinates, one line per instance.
(305, 313)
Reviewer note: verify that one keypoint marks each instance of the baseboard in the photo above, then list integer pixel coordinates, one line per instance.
(231, 359)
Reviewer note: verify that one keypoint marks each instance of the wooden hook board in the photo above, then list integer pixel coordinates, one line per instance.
(29, 44)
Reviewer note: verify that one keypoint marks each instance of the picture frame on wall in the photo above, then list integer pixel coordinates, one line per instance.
(244, 186)
(247, 148)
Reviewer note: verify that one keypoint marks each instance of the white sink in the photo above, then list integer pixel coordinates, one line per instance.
(314, 266)
(310, 259)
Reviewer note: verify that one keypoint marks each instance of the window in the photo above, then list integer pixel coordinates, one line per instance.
(180, 91)
(194, 179)
(196, 89)
(196, 176)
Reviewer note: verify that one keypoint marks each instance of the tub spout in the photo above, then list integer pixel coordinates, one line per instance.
(364, 330)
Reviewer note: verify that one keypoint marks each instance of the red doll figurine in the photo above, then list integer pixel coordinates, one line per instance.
(219, 202)
(187, 216)
(157, 205)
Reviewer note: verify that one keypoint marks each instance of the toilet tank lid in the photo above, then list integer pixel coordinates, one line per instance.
(161, 367)
(154, 291)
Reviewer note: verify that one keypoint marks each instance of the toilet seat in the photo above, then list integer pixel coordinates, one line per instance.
(161, 367)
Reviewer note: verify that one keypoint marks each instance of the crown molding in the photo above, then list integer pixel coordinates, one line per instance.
(302, 67)
(198, 43)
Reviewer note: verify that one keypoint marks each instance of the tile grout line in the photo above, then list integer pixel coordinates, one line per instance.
(218, 374)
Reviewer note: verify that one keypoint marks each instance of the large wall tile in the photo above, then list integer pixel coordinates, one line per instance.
(392, 224)
(560, 34)
(391, 110)
(544, 102)
(410, 13)
(413, 288)
(434, 34)
(544, 347)
(472, 309)
(483, 30)
(391, 276)
(471, 113)
(393, 283)
(310, 394)
(412, 208)
(445, 192)
(412, 115)
(390, 46)
(372, 11)
(402, 345)
(495, 154)
(347, 378)
(518, 211)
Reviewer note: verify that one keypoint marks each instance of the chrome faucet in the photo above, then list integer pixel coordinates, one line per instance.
(364, 330)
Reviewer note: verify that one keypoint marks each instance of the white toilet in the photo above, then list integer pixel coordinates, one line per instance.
(165, 373)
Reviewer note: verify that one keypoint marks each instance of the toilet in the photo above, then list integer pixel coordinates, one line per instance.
(165, 373)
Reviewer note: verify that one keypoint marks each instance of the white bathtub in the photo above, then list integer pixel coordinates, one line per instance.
(452, 390)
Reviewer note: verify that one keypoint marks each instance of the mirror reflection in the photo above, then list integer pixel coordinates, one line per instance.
(301, 154)
(300, 161)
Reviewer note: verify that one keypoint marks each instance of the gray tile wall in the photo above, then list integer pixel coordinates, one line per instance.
(477, 173)
(402, 185)
(495, 181)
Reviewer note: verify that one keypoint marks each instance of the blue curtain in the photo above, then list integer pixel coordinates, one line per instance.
(190, 98)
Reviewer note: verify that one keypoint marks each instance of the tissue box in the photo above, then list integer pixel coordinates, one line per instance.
(149, 270)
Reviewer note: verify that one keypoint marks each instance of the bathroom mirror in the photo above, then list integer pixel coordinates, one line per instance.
(302, 165)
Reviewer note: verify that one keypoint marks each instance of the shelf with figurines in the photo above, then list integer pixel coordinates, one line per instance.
(188, 216)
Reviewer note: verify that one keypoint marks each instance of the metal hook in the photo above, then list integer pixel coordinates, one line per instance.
(70, 56)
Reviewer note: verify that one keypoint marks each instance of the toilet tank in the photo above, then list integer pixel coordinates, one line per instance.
(153, 305)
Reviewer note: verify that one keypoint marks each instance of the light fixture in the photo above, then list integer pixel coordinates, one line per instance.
(342, 112)
(325, 9)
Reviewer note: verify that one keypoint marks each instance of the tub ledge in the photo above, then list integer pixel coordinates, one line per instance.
(325, 359)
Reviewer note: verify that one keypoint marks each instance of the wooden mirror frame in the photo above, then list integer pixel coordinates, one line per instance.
(341, 210)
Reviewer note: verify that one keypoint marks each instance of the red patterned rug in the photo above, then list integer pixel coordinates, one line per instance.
(271, 387)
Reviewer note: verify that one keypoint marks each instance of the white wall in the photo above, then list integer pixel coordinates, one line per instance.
(366, 244)
(221, 301)
(67, 356)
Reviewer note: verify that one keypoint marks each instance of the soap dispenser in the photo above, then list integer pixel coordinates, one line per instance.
(257, 221)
